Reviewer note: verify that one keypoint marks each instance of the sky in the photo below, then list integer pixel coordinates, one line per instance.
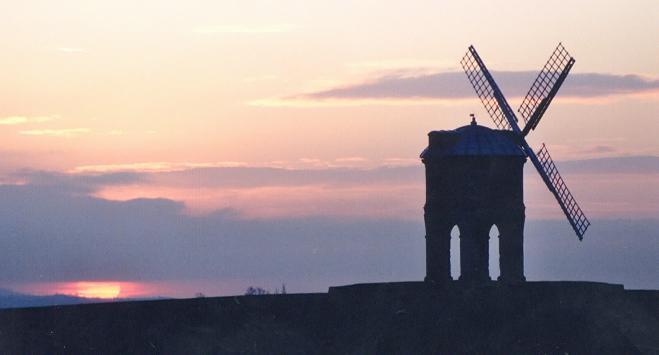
(168, 148)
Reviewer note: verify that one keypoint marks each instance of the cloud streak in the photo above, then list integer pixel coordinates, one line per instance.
(71, 49)
(609, 165)
(156, 166)
(240, 174)
(18, 120)
(455, 86)
(277, 28)
(632, 186)
(74, 183)
(64, 132)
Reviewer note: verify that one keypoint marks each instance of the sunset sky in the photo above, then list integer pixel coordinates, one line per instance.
(168, 147)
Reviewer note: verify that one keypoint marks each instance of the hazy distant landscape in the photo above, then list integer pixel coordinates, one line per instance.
(10, 299)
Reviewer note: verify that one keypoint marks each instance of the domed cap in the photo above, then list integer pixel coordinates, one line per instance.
(472, 140)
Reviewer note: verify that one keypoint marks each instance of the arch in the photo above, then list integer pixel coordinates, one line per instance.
(455, 231)
(455, 252)
(494, 231)
(494, 251)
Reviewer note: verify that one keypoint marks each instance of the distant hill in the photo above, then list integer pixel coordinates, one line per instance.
(11, 299)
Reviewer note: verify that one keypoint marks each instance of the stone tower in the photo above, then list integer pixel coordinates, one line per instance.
(474, 181)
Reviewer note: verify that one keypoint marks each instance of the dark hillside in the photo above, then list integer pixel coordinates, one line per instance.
(411, 317)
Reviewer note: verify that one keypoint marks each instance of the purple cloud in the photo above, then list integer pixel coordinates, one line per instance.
(454, 85)
(51, 231)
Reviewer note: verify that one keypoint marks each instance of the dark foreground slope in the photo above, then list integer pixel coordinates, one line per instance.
(411, 317)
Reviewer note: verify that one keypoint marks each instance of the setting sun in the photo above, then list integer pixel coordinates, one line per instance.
(98, 289)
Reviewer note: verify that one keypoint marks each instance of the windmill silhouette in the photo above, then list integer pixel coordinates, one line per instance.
(474, 177)
(532, 109)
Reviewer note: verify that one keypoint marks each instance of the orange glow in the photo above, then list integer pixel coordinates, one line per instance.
(110, 289)
(98, 289)
(89, 289)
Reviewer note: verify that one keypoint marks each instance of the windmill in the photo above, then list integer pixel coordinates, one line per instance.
(532, 109)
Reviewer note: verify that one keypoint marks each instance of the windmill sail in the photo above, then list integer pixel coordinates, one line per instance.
(488, 91)
(545, 87)
(534, 105)
(565, 199)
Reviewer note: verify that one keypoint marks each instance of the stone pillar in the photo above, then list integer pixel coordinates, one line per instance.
(438, 250)
(511, 250)
(474, 252)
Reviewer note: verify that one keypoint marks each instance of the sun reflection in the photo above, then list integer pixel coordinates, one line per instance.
(98, 289)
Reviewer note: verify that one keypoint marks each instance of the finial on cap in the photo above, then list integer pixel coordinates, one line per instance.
(473, 119)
